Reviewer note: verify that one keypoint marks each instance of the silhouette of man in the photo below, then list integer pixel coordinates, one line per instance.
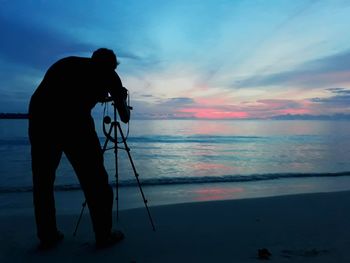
(60, 121)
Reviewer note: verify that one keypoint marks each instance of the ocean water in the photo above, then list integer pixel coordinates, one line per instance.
(180, 152)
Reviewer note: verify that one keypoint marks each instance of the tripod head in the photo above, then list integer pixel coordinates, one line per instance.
(121, 102)
(109, 125)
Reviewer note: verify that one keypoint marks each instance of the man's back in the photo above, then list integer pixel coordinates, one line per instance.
(71, 87)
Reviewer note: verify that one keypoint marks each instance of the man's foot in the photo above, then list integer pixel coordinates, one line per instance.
(111, 239)
(51, 241)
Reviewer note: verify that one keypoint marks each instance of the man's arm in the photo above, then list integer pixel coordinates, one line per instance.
(119, 95)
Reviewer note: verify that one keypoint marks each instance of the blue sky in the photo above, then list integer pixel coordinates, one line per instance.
(189, 59)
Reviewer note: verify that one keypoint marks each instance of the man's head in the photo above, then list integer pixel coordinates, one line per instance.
(105, 58)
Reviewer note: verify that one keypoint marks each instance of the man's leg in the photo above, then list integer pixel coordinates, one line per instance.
(45, 159)
(84, 152)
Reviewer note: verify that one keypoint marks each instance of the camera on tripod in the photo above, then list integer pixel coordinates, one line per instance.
(124, 108)
(122, 103)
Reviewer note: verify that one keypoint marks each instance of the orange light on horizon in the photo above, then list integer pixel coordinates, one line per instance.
(210, 113)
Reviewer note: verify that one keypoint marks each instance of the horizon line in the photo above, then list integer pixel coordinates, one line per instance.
(336, 116)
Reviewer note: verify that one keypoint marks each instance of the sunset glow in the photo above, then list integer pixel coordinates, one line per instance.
(212, 113)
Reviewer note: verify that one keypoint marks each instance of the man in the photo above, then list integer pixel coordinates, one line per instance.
(60, 121)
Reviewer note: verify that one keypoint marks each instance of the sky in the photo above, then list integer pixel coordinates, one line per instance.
(210, 59)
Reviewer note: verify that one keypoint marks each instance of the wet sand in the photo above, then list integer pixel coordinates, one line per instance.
(294, 228)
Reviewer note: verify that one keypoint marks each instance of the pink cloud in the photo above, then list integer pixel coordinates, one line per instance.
(213, 113)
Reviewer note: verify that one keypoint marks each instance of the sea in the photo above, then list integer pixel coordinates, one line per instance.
(194, 160)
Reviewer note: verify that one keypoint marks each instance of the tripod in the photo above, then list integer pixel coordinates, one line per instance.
(113, 129)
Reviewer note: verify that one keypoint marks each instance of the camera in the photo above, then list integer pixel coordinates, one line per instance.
(121, 103)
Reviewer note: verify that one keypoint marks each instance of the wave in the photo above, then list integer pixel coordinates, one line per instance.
(217, 139)
(160, 139)
(194, 139)
(190, 180)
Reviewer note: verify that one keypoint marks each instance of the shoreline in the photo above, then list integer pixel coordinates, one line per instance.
(294, 228)
(69, 202)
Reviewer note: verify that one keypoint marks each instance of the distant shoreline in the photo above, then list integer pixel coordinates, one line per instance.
(13, 115)
(287, 117)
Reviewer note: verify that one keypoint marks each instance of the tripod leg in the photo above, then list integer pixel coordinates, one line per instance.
(114, 140)
(79, 219)
(114, 125)
(136, 176)
(104, 148)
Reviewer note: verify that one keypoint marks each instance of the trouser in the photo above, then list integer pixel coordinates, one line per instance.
(80, 144)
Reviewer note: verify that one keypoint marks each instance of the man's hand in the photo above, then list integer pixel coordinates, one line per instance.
(122, 105)
(124, 93)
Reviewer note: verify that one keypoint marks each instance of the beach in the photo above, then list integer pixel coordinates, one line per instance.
(279, 186)
(293, 228)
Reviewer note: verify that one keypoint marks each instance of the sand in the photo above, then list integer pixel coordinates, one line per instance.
(295, 228)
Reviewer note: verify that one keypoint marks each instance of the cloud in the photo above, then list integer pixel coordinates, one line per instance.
(339, 91)
(321, 72)
(279, 104)
(183, 101)
(335, 63)
(341, 98)
(27, 44)
(270, 107)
